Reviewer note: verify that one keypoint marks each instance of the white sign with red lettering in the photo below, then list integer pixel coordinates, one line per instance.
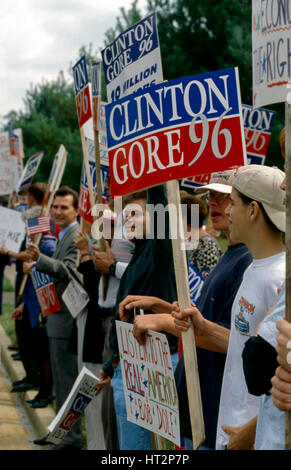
(148, 382)
(271, 31)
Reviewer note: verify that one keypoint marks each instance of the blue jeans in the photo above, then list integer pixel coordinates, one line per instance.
(130, 435)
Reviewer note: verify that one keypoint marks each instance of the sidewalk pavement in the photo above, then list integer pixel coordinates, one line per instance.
(13, 432)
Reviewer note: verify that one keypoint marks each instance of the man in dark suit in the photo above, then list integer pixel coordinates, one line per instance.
(60, 324)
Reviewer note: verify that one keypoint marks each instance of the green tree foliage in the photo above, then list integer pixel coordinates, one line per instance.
(195, 36)
(50, 119)
(199, 36)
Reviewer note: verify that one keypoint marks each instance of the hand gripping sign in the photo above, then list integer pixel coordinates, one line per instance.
(187, 126)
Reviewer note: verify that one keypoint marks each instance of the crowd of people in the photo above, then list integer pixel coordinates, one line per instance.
(241, 336)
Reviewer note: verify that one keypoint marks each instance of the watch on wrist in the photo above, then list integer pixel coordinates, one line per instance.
(112, 268)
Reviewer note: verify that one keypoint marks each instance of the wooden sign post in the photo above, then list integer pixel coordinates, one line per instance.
(188, 338)
(288, 244)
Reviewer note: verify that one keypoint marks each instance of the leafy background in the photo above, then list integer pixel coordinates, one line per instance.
(195, 36)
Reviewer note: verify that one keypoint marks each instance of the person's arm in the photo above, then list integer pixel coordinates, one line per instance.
(208, 335)
(216, 340)
(241, 437)
(144, 302)
(21, 256)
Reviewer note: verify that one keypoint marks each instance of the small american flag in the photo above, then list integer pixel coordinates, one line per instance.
(37, 225)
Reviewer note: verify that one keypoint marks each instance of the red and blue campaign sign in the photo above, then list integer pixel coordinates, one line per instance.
(84, 199)
(30, 170)
(78, 406)
(45, 291)
(133, 60)
(258, 124)
(188, 126)
(82, 91)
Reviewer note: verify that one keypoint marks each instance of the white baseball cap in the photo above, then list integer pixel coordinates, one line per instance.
(262, 184)
(220, 182)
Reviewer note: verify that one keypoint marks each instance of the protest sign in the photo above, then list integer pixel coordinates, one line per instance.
(12, 229)
(6, 170)
(133, 60)
(81, 395)
(30, 170)
(75, 298)
(186, 126)
(258, 124)
(45, 291)
(271, 27)
(89, 139)
(82, 91)
(84, 199)
(148, 382)
(83, 103)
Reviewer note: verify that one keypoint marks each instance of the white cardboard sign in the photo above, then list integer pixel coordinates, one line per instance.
(271, 32)
(80, 396)
(148, 382)
(12, 229)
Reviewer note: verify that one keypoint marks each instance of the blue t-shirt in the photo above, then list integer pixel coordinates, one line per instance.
(215, 304)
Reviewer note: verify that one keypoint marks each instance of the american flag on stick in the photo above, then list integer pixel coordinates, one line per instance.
(37, 225)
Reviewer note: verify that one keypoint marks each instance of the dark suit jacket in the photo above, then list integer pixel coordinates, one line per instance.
(60, 324)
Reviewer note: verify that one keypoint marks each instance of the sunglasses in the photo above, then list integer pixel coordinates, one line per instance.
(218, 197)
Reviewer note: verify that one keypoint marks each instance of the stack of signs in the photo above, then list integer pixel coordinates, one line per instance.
(133, 61)
(12, 229)
(82, 393)
(148, 382)
(186, 126)
(258, 124)
(271, 28)
(29, 171)
(45, 291)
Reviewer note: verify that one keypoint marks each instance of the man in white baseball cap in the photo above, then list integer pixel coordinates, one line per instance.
(257, 219)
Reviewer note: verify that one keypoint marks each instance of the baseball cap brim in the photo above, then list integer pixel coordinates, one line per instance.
(220, 188)
(277, 217)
